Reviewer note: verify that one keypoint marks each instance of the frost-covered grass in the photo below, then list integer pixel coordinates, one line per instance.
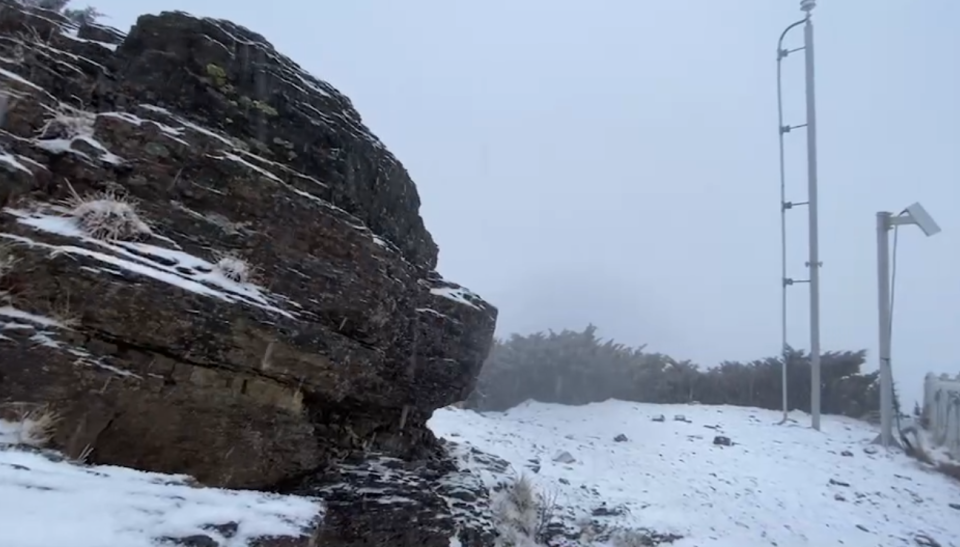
(66, 125)
(28, 424)
(108, 216)
(68, 122)
(46, 500)
(785, 485)
(234, 268)
(520, 512)
(7, 259)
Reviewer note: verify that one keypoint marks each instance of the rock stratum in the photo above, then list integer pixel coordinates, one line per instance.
(211, 266)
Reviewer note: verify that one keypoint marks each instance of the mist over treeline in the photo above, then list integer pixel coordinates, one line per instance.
(576, 368)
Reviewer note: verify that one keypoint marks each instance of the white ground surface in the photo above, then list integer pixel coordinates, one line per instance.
(44, 503)
(772, 488)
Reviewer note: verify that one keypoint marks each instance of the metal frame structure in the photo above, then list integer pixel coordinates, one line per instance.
(916, 215)
(813, 261)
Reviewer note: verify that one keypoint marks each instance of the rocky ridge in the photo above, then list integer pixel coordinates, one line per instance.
(210, 266)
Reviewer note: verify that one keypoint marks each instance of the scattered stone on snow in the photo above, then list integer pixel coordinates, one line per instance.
(720, 440)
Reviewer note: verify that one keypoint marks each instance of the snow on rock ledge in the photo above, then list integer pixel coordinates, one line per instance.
(267, 304)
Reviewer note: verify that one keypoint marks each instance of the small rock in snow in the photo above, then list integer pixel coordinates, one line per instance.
(564, 457)
(659, 418)
(198, 540)
(720, 440)
(621, 438)
(925, 541)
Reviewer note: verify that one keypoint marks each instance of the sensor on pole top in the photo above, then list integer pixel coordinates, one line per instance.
(920, 217)
(807, 5)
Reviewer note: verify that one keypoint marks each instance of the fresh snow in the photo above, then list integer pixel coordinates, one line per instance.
(12, 312)
(435, 313)
(173, 133)
(17, 78)
(457, 294)
(778, 485)
(72, 32)
(43, 328)
(45, 501)
(170, 266)
(13, 162)
(238, 155)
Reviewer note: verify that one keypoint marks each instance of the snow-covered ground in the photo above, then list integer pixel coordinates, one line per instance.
(45, 501)
(777, 485)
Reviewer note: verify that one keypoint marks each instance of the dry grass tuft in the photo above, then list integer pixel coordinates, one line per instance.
(913, 447)
(7, 259)
(522, 513)
(67, 122)
(108, 216)
(63, 311)
(234, 268)
(36, 424)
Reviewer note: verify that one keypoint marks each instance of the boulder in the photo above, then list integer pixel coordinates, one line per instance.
(373, 499)
(210, 265)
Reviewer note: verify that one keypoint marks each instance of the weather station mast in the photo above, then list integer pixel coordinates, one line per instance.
(813, 259)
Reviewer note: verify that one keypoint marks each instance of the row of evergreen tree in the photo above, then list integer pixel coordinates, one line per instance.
(578, 367)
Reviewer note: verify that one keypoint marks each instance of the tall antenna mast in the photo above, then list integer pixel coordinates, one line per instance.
(813, 260)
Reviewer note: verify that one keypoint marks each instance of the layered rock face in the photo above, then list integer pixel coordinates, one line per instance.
(210, 265)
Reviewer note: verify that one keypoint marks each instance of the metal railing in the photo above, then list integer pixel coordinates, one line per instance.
(941, 411)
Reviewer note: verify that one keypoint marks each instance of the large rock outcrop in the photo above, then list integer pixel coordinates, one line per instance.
(210, 265)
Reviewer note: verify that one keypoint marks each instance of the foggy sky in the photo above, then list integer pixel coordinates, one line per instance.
(615, 161)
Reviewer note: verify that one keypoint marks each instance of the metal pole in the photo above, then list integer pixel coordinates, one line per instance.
(814, 261)
(783, 233)
(785, 282)
(883, 305)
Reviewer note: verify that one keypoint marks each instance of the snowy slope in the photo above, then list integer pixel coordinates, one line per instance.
(45, 501)
(783, 486)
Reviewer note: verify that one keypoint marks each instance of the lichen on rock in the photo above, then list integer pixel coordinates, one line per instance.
(251, 302)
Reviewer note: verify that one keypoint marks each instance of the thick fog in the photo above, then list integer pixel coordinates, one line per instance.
(615, 162)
